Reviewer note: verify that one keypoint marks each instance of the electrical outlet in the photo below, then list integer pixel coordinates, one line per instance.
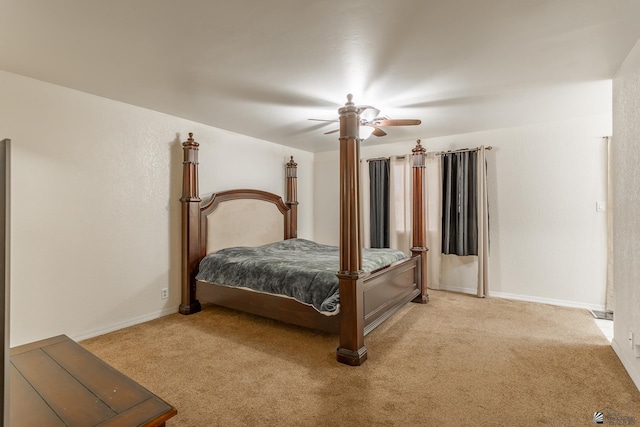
(164, 293)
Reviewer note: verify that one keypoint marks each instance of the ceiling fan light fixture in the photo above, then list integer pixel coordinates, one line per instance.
(365, 132)
(370, 121)
(368, 113)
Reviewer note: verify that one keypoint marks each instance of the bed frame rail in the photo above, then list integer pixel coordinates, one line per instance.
(385, 292)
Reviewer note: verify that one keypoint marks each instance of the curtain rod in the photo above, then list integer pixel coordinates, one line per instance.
(462, 150)
(431, 153)
(386, 158)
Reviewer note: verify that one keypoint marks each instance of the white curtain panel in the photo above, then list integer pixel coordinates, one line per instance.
(365, 232)
(433, 186)
(483, 225)
(400, 211)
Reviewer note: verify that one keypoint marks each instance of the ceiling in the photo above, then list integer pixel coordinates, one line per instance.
(264, 67)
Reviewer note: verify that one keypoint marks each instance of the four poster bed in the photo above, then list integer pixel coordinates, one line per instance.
(233, 226)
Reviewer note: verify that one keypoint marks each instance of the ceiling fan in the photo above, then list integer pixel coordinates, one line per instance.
(369, 117)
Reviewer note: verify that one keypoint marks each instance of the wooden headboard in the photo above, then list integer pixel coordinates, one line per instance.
(229, 218)
(243, 218)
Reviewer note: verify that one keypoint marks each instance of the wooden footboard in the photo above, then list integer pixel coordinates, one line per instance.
(386, 291)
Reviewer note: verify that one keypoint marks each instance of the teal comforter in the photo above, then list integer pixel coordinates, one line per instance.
(296, 268)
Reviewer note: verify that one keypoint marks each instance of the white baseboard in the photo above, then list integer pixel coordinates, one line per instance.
(629, 362)
(457, 289)
(551, 301)
(125, 324)
(528, 298)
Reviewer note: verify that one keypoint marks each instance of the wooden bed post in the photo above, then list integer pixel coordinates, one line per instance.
(190, 226)
(418, 219)
(292, 198)
(352, 350)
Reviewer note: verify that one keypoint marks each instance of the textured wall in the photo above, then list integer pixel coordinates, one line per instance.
(95, 204)
(626, 199)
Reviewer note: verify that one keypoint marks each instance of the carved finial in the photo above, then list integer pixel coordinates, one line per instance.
(419, 148)
(349, 99)
(190, 141)
(291, 163)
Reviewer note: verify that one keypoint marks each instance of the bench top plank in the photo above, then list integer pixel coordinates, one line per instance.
(70, 384)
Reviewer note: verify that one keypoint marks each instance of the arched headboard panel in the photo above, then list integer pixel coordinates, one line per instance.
(243, 218)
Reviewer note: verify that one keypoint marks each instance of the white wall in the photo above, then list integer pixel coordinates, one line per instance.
(548, 243)
(95, 205)
(626, 201)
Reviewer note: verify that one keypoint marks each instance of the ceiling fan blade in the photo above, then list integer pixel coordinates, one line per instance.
(397, 122)
(331, 131)
(325, 120)
(377, 131)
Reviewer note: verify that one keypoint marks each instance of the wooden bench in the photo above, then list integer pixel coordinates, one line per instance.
(56, 382)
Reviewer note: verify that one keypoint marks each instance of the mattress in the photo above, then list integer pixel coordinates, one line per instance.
(296, 268)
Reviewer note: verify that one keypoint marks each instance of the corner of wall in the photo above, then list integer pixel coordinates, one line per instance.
(625, 158)
(630, 363)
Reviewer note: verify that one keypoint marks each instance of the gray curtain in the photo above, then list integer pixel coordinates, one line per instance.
(379, 202)
(459, 203)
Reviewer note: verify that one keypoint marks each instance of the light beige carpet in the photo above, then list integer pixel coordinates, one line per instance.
(457, 361)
